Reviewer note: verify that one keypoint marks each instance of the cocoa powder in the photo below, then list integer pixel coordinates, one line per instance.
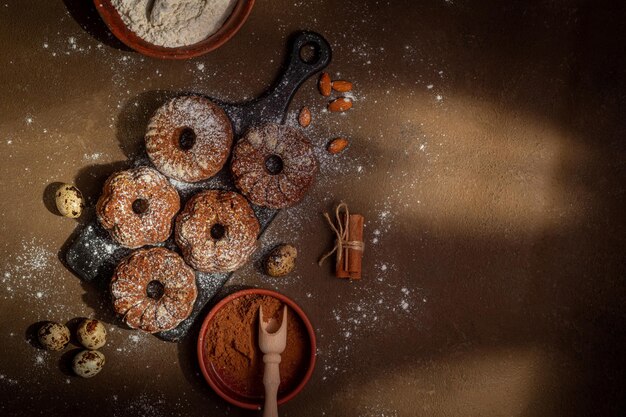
(232, 345)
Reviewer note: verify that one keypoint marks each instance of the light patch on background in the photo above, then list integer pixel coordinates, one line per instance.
(497, 381)
(487, 169)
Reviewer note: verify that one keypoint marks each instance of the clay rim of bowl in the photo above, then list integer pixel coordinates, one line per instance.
(231, 26)
(291, 304)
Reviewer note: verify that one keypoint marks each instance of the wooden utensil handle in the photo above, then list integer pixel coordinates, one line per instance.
(271, 381)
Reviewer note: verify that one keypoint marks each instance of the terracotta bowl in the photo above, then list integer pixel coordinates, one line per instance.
(231, 26)
(220, 387)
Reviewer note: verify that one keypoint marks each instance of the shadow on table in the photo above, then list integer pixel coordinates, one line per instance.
(86, 15)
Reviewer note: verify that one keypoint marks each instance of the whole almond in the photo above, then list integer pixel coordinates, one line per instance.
(340, 104)
(337, 145)
(305, 117)
(325, 84)
(342, 86)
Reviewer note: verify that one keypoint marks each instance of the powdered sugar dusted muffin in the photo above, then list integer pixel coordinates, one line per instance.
(137, 207)
(189, 138)
(217, 231)
(274, 165)
(153, 289)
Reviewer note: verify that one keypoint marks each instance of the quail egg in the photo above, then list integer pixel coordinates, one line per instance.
(88, 363)
(69, 201)
(53, 336)
(281, 260)
(91, 333)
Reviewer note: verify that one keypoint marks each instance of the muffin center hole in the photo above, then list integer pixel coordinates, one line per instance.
(274, 164)
(187, 139)
(155, 290)
(140, 206)
(218, 231)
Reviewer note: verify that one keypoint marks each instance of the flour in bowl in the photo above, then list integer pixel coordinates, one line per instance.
(173, 23)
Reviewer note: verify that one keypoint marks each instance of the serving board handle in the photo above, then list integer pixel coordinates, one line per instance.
(272, 106)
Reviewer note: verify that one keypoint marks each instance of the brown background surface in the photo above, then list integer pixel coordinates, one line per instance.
(494, 269)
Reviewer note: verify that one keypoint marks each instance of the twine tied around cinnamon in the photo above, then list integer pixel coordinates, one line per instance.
(341, 239)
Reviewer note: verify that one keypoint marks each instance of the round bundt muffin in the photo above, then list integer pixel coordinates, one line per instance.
(217, 231)
(274, 165)
(189, 138)
(137, 207)
(153, 289)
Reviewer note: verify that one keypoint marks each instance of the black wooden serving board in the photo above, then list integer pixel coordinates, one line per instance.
(93, 255)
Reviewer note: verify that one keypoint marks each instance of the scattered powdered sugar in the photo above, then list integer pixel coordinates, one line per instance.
(208, 283)
(357, 320)
(27, 274)
(40, 358)
(146, 404)
(92, 157)
(4, 379)
(34, 256)
(377, 410)
(100, 248)
(135, 342)
(375, 237)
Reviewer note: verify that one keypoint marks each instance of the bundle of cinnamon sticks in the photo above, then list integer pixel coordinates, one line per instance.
(348, 263)
(348, 242)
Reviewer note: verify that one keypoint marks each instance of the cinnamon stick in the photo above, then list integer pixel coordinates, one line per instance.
(349, 266)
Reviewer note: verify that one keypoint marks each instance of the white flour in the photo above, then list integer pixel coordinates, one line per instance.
(173, 23)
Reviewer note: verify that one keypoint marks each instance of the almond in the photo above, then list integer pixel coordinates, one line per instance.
(342, 86)
(337, 145)
(340, 104)
(325, 84)
(305, 117)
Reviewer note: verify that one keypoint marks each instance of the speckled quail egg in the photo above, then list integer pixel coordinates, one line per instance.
(53, 336)
(88, 363)
(69, 201)
(281, 260)
(91, 333)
